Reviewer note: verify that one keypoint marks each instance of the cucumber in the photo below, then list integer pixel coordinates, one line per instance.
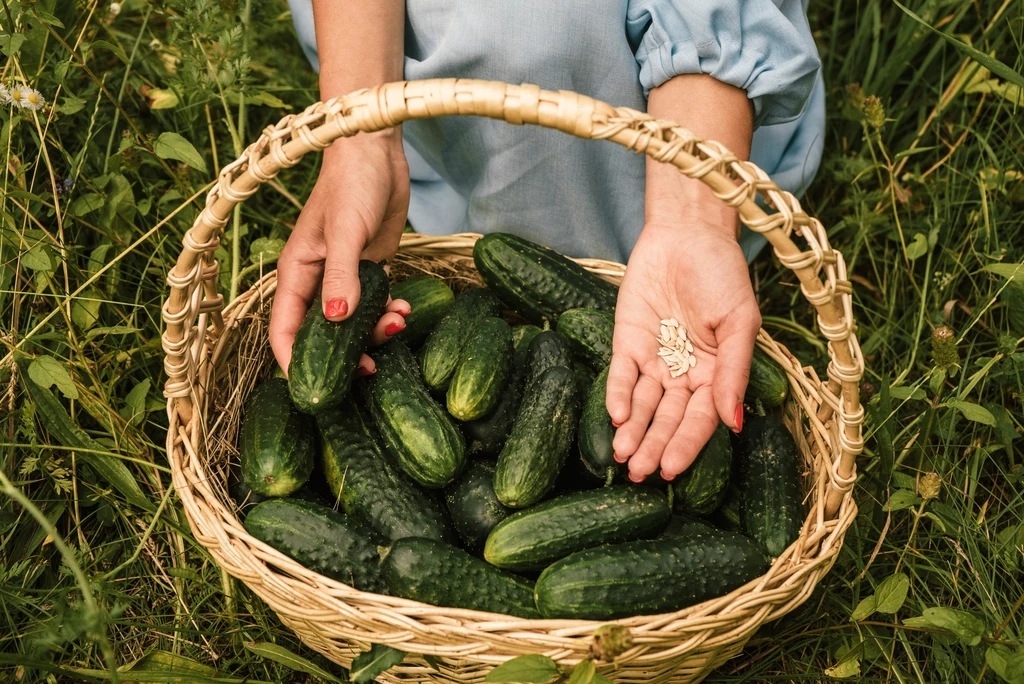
(727, 517)
(443, 348)
(547, 349)
(325, 355)
(442, 575)
(648, 577)
(415, 430)
(278, 443)
(319, 539)
(535, 538)
(589, 333)
(542, 434)
(483, 370)
(768, 383)
(522, 335)
(771, 495)
(473, 506)
(369, 487)
(682, 526)
(702, 488)
(430, 299)
(584, 380)
(538, 282)
(596, 432)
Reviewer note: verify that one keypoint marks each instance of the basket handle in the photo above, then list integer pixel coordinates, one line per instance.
(194, 303)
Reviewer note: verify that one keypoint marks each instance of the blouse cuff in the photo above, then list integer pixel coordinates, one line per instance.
(762, 46)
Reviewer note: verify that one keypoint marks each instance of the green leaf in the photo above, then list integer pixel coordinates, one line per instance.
(112, 330)
(987, 61)
(70, 104)
(265, 250)
(864, 609)
(525, 668)
(583, 673)
(891, 593)
(173, 146)
(918, 248)
(369, 665)
(1009, 271)
(965, 626)
(431, 661)
(47, 371)
(10, 44)
(46, 18)
(978, 414)
(909, 153)
(85, 310)
(134, 410)
(601, 679)
(169, 662)
(937, 380)
(902, 499)
(85, 204)
(848, 663)
(908, 393)
(39, 258)
(282, 655)
(265, 98)
(159, 98)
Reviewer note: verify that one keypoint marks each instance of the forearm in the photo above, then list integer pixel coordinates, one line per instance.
(712, 110)
(359, 44)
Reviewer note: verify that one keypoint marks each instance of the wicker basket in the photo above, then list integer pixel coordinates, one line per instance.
(203, 341)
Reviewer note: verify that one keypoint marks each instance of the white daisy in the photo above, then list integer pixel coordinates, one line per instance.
(14, 93)
(5, 95)
(31, 99)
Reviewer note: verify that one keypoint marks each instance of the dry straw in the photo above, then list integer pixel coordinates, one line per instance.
(213, 355)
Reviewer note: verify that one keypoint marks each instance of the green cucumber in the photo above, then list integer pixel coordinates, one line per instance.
(681, 526)
(369, 486)
(535, 538)
(442, 575)
(483, 370)
(325, 354)
(415, 429)
(538, 282)
(584, 380)
(473, 506)
(771, 495)
(701, 489)
(541, 437)
(727, 517)
(596, 432)
(430, 299)
(443, 348)
(522, 335)
(648, 577)
(589, 333)
(278, 443)
(319, 539)
(547, 349)
(768, 382)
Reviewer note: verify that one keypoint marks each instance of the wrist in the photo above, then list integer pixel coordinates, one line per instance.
(386, 144)
(690, 208)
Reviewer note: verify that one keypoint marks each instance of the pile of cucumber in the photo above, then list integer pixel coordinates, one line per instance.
(474, 469)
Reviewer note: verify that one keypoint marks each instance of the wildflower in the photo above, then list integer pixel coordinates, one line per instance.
(15, 94)
(31, 99)
(929, 486)
(115, 9)
(874, 112)
(5, 95)
(855, 96)
(944, 351)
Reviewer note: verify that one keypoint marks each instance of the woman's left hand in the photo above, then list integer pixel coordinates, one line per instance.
(696, 273)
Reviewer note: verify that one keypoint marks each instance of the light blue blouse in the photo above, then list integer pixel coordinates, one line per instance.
(582, 197)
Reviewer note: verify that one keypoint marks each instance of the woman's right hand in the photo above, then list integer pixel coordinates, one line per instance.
(357, 210)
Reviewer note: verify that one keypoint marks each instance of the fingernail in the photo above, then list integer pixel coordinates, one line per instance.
(335, 308)
(394, 329)
(619, 459)
(405, 313)
(616, 425)
(633, 477)
(739, 417)
(363, 371)
(667, 478)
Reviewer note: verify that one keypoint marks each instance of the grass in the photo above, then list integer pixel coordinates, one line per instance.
(922, 188)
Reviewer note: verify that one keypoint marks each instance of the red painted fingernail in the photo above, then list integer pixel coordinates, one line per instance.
(394, 329)
(403, 314)
(739, 417)
(335, 308)
(363, 371)
(636, 478)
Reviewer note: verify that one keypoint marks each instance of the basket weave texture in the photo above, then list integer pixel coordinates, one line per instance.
(204, 341)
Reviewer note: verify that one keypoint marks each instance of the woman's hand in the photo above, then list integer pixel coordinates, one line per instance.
(696, 273)
(357, 210)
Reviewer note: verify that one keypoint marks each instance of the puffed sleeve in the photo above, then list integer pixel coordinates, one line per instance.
(762, 46)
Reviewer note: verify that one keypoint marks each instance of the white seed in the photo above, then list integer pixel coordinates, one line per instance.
(693, 361)
(689, 347)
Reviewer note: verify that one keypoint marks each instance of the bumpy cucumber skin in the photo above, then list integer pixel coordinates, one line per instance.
(442, 575)
(584, 380)
(648, 577)
(701, 489)
(473, 506)
(682, 526)
(589, 333)
(325, 355)
(541, 437)
(415, 429)
(538, 282)
(596, 432)
(430, 299)
(278, 445)
(771, 501)
(320, 539)
(483, 370)
(444, 345)
(727, 517)
(369, 486)
(553, 529)
(487, 435)
(768, 383)
(547, 349)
